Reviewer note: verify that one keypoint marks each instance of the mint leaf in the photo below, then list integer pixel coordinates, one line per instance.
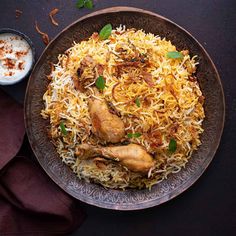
(100, 83)
(174, 55)
(172, 146)
(105, 32)
(80, 4)
(88, 4)
(137, 101)
(63, 128)
(133, 135)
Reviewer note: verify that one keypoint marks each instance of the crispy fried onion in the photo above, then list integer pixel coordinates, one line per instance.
(18, 13)
(52, 14)
(113, 91)
(155, 138)
(44, 35)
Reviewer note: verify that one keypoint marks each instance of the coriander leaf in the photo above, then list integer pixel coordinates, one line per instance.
(105, 32)
(172, 145)
(137, 101)
(133, 135)
(80, 4)
(174, 55)
(63, 128)
(100, 83)
(88, 4)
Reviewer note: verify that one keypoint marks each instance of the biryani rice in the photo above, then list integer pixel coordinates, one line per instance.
(171, 106)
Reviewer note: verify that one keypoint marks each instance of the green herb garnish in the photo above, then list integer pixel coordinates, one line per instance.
(85, 3)
(172, 145)
(80, 3)
(133, 135)
(88, 4)
(137, 101)
(174, 55)
(100, 83)
(105, 32)
(63, 128)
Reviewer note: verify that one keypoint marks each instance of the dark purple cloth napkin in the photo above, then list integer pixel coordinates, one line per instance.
(30, 203)
(12, 128)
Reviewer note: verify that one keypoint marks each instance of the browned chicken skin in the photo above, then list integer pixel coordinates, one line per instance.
(87, 72)
(108, 127)
(132, 156)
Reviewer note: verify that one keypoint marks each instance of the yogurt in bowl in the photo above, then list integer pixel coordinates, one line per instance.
(16, 56)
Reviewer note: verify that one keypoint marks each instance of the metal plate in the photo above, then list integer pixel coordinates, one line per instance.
(95, 194)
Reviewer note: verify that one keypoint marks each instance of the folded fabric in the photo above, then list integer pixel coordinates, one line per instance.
(12, 128)
(30, 203)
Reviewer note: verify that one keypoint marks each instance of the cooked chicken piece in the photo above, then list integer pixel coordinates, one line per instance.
(100, 162)
(108, 127)
(132, 156)
(87, 73)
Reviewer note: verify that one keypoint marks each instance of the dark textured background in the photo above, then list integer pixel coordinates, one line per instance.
(209, 206)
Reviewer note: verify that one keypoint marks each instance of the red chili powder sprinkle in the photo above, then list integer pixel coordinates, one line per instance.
(21, 65)
(9, 63)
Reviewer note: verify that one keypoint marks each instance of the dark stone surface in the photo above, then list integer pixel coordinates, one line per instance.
(208, 207)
